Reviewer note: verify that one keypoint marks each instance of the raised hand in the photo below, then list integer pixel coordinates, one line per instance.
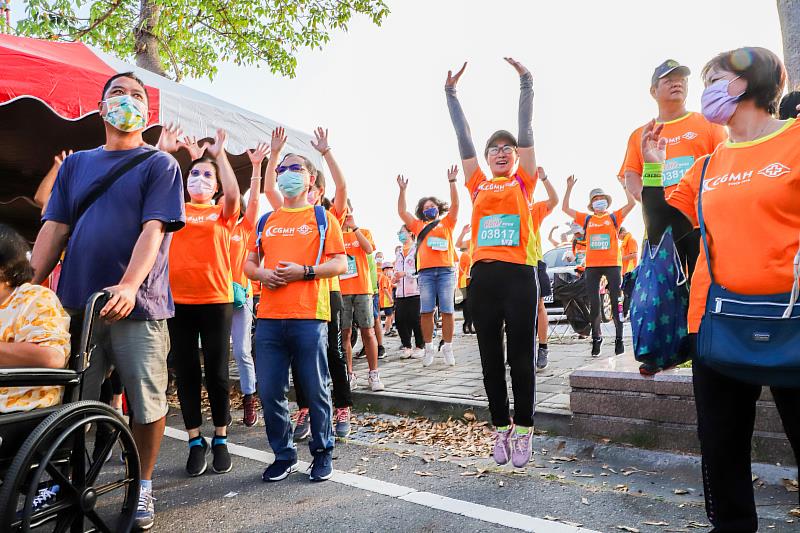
(452, 80)
(654, 147)
(321, 145)
(519, 67)
(258, 154)
(452, 173)
(571, 181)
(402, 182)
(217, 149)
(465, 229)
(541, 173)
(278, 140)
(59, 158)
(168, 140)
(190, 144)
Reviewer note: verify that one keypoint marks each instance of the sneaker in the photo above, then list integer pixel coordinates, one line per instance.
(541, 359)
(502, 445)
(352, 381)
(221, 463)
(596, 343)
(279, 470)
(418, 353)
(619, 347)
(407, 353)
(447, 352)
(196, 464)
(375, 383)
(302, 425)
(362, 353)
(381, 352)
(521, 448)
(322, 466)
(250, 411)
(430, 353)
(342, 419)
(145, 510)
(44, 499)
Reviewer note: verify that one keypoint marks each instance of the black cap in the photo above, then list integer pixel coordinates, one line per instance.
(665, 68)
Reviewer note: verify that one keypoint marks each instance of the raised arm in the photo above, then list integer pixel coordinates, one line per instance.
(552, 194)
(274, 196)
(565, 204)
(452, 175)
(554, 242)
(321, 145)
(402, 208)
(466, 148)
(627, 208)
(256, 159)
(461, 242)
(42, 195)
(230, 187)
(527, 156)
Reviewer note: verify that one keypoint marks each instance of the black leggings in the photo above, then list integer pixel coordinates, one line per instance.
(506, 293)
(212, 324)
(466, 309)
(659, 215)
(337, 365)
(406, 318)
(614, 287)
(726, 411)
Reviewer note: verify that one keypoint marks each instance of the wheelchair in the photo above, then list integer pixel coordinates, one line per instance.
(67, 449)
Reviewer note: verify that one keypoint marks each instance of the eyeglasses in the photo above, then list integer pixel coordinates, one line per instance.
(507, 149)
(195, 172)
(294, 168)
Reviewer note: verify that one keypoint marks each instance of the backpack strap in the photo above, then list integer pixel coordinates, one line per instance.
(322, 226)
(586, 223)
(259, 232)
(702, 221)
(421, 237)
(614, 220)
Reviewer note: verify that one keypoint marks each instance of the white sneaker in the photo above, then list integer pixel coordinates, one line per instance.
(375, 383)
(417, 353)
(351, 378)
(447, 352)
(407, 353)
(430, 353)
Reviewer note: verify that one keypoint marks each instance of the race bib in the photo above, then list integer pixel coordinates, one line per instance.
(601, 241)
(499, 230)
(580, 258)
(675, 168)
(437, 244)
(352, 268)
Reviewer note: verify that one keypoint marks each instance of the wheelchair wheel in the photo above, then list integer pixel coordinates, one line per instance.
(90, 494)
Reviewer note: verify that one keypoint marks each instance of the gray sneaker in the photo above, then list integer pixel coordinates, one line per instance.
(145, 511)
(302, 425)
(541, 359)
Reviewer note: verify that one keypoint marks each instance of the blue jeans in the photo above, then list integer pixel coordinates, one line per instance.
(242, 351)
(279, 345)
(437, 282)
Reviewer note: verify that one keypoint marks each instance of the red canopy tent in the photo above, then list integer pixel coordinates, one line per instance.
(49, 93)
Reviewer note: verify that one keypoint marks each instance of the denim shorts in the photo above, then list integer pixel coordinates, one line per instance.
(376, 310)
(437, 283)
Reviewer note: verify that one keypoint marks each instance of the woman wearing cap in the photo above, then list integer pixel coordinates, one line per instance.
(750, 199)
(503, 288)
(603, 258)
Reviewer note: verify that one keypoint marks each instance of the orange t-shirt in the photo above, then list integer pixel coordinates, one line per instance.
(240, 237)
(385, 291)
(291, 235)
(751, 206)
(539, 211)
(629, 246)
(502, 225)
(199, 257)
(437, 250)
(339, 217)
(688, 138)
(464, 264)
(602, 239)
(357, 279)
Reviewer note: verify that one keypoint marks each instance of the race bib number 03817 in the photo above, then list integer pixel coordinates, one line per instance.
(499, 230)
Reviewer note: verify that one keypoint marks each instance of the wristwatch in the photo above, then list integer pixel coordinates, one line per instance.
(309, 273)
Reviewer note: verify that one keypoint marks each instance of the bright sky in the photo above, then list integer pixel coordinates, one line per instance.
(380, 89)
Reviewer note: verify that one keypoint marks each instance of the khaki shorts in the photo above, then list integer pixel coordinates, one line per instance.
(138, 350)
(357, 309)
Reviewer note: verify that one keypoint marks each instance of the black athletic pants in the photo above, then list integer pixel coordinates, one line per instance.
(726, 410)
(337, 365)
(614, 287)
(467, 310)
(406, 319)
(506, 293)
(211, 323)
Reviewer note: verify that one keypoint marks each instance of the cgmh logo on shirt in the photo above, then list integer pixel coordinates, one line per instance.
(275, 231)
(774, 170)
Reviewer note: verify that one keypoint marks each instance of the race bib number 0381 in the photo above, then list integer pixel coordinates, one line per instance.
(675, 168)
(499, 230)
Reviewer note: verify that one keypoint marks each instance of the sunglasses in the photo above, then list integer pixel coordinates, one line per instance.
(195, 172)
(494, 150)
(294, 168)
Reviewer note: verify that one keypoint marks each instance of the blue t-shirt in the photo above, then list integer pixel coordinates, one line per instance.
(101, 244)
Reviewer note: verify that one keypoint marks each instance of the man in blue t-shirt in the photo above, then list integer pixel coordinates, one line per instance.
(120, 244)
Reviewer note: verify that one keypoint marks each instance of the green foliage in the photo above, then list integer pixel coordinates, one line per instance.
(192, 36)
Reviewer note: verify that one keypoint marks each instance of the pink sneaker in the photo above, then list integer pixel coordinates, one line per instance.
(521, 448)
(502, 446)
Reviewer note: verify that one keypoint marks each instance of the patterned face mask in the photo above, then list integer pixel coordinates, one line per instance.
(125, 113)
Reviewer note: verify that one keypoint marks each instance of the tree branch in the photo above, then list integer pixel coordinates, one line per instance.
(99, 20)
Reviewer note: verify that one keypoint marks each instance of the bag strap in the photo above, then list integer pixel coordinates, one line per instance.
(702, 221)
(111, 178)
(421, 237)
(259, 232)
(322, 226)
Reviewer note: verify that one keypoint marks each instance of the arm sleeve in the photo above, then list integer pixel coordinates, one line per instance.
(449, 222)
(620, 217)
(580, 218)
(465, 146)
(633, 155)
(164, 197)
(59, 208)
(368, 234)
(476, 179)
(334, 241)
(525, 115)
(416, 226)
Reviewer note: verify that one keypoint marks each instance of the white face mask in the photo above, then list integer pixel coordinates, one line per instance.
(200, 186)
(600, 205)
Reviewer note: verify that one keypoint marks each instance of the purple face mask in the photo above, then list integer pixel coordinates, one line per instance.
(717, 104)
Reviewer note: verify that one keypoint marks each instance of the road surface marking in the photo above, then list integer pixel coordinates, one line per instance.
(484, 513)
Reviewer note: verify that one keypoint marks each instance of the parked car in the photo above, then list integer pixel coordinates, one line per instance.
(560, 261)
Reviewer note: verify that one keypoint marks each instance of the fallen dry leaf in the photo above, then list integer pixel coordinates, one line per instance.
(469, 416)
(790, 485)
(629, 529)
(501, 484)
(565, 459)
(423, 474)
(393, 467)
(621, 488)
(697, 525)
(584, 501)
(680, 491)
(795, 512)
(648, 523)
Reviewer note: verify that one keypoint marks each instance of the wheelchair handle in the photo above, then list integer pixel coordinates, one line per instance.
(93, 307)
